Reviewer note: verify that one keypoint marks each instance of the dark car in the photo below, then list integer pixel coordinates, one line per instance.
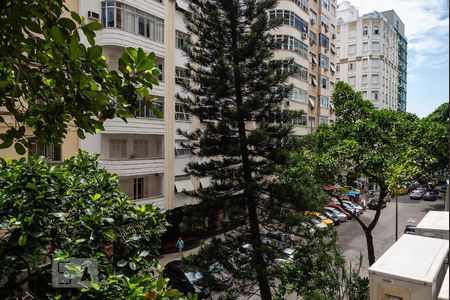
(332, 216)
(410, 229)
(186, 279)
(430, 196)
(373, 204)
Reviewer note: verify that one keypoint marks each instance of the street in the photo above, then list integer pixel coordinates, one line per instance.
(352, 238)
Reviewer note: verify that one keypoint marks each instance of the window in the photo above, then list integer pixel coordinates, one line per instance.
(364, 79)
(286, 66)
(324, 102)
(351, 66)
(324, 41)
(352, 49)
(128, 18)
(302, 120)
(365, 30)
(138, 188)
(181, 76)
(324, 83)
(375, 96)
(365, 62)
(352, 80)
(117, 148)
(292, 44)
(324, 62)
(143, 109)
(289, 18)
(181, 39)
(338, 67)
(303, 4)
(180, 113)
(312, 15)
(312, 122)
(352, 33)
(299, 95)
(323, 120)
(140, 148)
(375, 63)
(376, 31)
(365, 46)
(326, 4)
(325, 21)
(375, 46)
(375, 78)
(51, 151)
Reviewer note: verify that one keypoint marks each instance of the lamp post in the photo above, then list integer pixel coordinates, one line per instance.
(396, 216)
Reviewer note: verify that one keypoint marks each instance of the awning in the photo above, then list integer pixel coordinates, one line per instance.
(311, 102)
(205, 182)
(333, 50)
(332, 68)
(314, 61)
(331, 106)
(182, 4)
(184, 185)
(314, 82)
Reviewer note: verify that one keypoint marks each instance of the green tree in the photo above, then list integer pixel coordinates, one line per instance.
(376, 144)
(236, 92)
(50, 80)
(75, 210)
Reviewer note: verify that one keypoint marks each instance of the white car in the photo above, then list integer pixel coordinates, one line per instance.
(358, 208)
(342, 216)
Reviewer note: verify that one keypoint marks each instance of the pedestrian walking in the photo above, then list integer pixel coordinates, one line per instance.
(180, 246)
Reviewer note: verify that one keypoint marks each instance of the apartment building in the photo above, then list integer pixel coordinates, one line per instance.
(368, 56)
(146, 151)
(394, 20)
(308, 37)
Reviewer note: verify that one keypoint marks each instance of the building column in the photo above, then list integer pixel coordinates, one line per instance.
(169, 105)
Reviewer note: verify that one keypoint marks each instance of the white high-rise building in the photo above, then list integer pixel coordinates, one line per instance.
(367, 55)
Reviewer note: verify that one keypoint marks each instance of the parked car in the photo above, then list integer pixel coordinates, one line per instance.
(338, 207)
(430, 196)
(317, 223)
(187, 279)
(287, 256)
(336, 220)
(415, 184)
(416, 194)
(222, 279)
(402, 191)
(410, 229)
(373, 204)
(320, 217)
(358, 208)
(338, 213)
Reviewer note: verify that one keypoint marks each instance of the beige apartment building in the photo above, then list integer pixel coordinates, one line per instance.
(146, 152)
(368, 55)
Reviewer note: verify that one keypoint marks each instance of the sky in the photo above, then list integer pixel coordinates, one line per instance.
(427, 30)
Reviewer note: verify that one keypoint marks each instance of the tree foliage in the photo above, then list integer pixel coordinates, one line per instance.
(382, 145)
(236, 91)
(50, 80)
(75, 210)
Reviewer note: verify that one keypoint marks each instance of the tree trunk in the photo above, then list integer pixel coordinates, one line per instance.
(370, 248)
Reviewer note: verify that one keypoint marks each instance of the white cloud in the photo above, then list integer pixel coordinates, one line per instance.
(426, 27)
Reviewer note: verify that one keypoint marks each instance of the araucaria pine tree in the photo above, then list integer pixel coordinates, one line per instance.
(236, 92)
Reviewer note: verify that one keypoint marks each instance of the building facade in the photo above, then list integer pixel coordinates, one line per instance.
(368, 56)
(146, 152)
(399, 27)
(308, 36)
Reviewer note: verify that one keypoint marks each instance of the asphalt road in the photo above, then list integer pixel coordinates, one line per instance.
(352, 239)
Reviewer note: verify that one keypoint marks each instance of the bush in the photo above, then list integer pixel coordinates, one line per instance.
(75, 210)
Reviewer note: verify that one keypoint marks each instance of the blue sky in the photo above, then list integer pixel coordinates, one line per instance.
(427, 30)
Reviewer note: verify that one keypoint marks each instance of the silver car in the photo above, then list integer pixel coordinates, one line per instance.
(416, 194)
(342, 217)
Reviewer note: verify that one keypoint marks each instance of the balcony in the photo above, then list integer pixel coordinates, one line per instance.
(146, 189)
(134, 167)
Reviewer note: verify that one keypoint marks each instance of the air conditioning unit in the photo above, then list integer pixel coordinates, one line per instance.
(93, 16)
(313, 21)
(304, 35)
(325, 50)
(333, 36)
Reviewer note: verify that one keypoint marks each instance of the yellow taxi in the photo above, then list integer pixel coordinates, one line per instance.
(321, 217)
(402, 191)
